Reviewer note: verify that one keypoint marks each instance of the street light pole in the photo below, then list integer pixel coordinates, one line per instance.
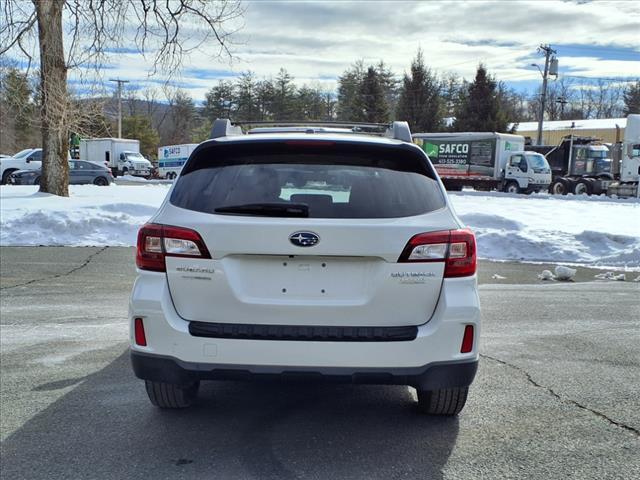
(548, 51)
(119, 82)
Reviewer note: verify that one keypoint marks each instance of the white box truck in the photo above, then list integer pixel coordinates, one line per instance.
(122, 155)
(171, 159)
(485, 161)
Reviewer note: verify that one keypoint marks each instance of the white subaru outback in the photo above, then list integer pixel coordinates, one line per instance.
(308, 253)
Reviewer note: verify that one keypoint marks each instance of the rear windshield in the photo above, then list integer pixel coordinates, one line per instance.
(330, 185)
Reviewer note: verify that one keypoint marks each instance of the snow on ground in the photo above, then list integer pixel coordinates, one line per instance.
(595, 231)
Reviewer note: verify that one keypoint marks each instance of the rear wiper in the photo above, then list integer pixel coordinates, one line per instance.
(267, 209)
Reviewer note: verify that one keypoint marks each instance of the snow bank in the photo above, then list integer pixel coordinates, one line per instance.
(92, 215)
(596, 231)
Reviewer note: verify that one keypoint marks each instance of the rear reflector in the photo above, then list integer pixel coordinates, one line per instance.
(138, 328)
(467, 340)
(155, 242)
(457, 248)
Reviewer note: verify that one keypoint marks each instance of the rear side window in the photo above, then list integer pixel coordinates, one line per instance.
(331, 185)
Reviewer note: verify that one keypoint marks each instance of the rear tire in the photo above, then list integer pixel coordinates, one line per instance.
(583, 186)
(101, 182)
(169, 395)
(447, 401)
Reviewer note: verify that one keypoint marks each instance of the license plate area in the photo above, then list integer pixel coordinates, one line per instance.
(302, 277)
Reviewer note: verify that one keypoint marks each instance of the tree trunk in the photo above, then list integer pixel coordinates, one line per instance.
(53, 74)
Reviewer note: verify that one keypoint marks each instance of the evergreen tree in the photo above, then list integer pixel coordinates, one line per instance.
(372, 100)
(219, 101)
(139, 127)
(480, 109)
(420, 98)
(184, 118)
(16, 96)
(284, 99)
(349, 85)
(389, 85)
(246, 98)
(632, 99)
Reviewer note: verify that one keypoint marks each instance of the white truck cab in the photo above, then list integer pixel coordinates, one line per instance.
(133, 163)
(526, 172)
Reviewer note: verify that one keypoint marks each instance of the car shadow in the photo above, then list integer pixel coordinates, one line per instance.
(105, 427)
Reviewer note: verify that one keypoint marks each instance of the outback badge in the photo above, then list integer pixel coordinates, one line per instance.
(304, 239)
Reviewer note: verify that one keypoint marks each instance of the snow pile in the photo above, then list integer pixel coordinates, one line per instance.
(540, 228)
(595, 231)
(92, 215)
(621, 277)
(546, 275)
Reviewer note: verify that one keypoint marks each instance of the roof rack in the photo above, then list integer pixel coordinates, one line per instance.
(222, 127)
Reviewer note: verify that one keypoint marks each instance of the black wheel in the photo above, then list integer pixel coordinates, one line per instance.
(559, 187)
(171, 175)
(36, 181)
(101, 182)
(5, 175)
(125, 170)
(449, 401)
(583, 186)
(169, 395)
(512, 187)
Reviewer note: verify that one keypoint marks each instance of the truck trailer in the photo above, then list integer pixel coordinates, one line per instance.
(485, 161)
(171, 159)
(122, 155)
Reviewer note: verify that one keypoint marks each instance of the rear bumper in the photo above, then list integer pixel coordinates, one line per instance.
(428, 377)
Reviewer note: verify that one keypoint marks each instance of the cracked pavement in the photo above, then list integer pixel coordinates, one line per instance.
(557, 393)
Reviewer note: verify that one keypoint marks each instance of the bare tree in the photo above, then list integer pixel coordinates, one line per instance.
(165, 30)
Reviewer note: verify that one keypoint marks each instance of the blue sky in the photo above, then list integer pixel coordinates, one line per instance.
(317, 40)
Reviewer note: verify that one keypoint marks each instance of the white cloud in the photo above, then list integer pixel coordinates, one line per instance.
(317, 41)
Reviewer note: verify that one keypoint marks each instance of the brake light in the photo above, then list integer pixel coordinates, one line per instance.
(156, 242)
(457, 248)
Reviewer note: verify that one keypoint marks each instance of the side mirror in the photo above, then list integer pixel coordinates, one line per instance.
(122, 156)
(28, 160)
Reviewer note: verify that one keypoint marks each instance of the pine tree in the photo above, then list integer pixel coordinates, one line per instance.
(349, 85)
(139, 126)
(185, 118)
(420, 98)
(219, 101)
(372, 100)
(480, 108)
(283, 106)
(632, 99)
(246, 98)
(16, 96)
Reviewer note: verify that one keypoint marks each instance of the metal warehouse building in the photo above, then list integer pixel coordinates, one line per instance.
(610, 130)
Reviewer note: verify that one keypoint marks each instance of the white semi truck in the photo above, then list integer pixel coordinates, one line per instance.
(485, 161)
(122, 155)
(171, 159)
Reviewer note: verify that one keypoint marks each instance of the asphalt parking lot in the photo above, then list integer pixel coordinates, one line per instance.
(557, 393)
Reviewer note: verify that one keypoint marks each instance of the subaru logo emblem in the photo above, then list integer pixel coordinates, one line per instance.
(304, 239)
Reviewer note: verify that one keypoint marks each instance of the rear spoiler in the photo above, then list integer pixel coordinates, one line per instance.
(222, 127)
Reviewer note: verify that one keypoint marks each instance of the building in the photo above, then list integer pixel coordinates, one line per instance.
(609, 130)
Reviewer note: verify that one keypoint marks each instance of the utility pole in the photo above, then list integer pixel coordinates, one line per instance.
(119, 82)
(548, 51)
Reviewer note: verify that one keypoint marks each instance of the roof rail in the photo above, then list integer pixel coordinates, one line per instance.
(395, 130)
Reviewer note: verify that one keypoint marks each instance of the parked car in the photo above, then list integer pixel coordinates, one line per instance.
(313, 254)
(27, 159)
(80, 172)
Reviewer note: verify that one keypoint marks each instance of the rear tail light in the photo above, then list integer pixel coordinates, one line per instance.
(156, 242)
(467, 340)
(457, 248)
